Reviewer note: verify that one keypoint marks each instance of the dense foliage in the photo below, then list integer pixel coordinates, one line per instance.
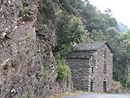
(63, 69)
(69, 31)
(77, 21)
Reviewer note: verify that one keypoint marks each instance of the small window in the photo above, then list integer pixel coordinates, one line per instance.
(105, 67)
(105, 63)
(91, 86)
(92, 70)
(104, 86)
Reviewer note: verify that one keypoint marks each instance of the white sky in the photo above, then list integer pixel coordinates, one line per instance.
(119, 8)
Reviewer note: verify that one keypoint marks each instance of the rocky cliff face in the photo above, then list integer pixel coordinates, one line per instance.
(27, 64)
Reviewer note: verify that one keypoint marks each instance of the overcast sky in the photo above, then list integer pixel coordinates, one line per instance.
(120, 9)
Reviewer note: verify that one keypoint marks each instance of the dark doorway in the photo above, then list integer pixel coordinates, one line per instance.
(91, 89)
(104, 86)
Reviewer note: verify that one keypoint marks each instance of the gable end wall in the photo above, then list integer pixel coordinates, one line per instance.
(99, 76)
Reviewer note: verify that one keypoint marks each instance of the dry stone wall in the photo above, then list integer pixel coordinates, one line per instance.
(80, 70)
(98, 70)
(88, 69)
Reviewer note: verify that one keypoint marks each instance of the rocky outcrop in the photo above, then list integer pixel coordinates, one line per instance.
(27, 64)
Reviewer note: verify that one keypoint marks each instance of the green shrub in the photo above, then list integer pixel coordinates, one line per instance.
(63, 69)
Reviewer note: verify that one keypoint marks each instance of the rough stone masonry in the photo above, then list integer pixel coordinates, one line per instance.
(27, 64)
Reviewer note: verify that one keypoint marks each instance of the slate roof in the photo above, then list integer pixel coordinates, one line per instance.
(85, 51)
(79, 55)
(90, 46)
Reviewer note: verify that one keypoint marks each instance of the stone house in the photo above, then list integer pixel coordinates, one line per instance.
(91, 66)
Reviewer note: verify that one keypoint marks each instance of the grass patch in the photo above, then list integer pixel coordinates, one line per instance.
(61, 95)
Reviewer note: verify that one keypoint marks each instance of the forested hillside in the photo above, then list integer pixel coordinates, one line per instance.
(77, 21)
(122, 27)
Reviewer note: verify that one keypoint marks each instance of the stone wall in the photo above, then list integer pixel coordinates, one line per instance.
(80, 71)
(98, 74)
(87, 67)
(27, 64)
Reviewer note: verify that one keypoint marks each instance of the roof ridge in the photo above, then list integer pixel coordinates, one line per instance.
(89, 46)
